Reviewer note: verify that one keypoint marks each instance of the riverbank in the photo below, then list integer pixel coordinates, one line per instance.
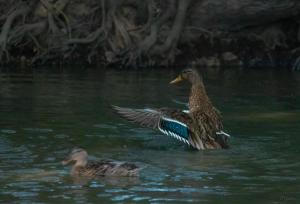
(135, 34)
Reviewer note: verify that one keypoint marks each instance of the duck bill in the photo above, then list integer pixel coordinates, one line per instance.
(178, 79)
(66, 161)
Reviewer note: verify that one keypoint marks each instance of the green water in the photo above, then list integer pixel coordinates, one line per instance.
(44, 114)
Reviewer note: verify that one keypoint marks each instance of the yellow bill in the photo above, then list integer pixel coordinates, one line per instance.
(178, 79)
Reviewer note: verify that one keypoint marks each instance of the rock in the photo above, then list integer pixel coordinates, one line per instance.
(229, 56)
(230, 59)
(211, 61)
(109, 56)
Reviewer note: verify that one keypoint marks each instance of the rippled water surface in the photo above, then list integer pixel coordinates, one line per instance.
(46, 112)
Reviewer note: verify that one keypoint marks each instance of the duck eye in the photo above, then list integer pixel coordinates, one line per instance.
(186, 71)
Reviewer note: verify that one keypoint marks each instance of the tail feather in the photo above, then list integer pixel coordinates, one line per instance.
(223, 139)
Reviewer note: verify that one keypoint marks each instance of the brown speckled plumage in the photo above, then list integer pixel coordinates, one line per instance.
(203, 121)
(88, 168)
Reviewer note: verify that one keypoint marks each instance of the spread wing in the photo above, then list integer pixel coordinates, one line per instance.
(145, 117)
(172, 122)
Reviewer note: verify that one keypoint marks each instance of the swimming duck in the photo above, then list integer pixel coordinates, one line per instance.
(199, 127)
(88, 168)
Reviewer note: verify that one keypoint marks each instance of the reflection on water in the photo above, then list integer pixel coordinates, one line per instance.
(45, 113)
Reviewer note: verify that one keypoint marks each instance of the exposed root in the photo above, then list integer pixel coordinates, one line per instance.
(121, 36)
(172, 40)
(7, 27)
(89, 39)
(94, 35)
(126, 32)
(144, 45)
(175, 32)
(17, 35)
(147, 48)
(296, 65)
(274, 37)
(54, 13)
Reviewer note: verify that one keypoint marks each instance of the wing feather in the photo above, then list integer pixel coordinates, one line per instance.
(171, 122)
(145, 117)
(177, 124)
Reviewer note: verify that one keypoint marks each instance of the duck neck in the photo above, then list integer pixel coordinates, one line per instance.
(198, 98)
(80, 163)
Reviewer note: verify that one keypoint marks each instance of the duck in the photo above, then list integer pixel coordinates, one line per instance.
(200, 127)
(82, 166)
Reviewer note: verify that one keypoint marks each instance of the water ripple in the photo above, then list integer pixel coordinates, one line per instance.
(8, 131)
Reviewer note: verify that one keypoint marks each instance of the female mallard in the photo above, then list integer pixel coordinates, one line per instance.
(200, 127)
(84, 167)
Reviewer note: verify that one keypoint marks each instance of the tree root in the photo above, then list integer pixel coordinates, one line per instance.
(273, 37)
(127, 43)
(174, 34)
(89, 39)
(94, 35)
(296, 65)
(143, 48)
(17, 34)
(6, 28)
(54, 11)
(127, 32)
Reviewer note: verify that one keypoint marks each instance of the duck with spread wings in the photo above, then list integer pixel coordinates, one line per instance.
(200, 127)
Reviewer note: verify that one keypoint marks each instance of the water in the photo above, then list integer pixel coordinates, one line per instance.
(46, 112)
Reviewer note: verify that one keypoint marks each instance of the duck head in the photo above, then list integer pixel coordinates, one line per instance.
(189, 74)
(78, 157)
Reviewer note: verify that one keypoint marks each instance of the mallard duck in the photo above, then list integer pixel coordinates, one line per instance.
(199, 127)
(88, 168)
